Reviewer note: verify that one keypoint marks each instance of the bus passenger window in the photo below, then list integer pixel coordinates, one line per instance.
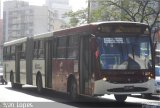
(41, 49)
(73, 47)
(13, 52)
(5, 53)
(8, 53)
(61, 47)
(35, 49)
(23, 52)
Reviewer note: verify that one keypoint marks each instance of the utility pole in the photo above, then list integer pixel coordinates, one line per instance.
(88, 21)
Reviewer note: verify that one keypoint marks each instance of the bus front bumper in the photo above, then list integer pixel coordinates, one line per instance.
(104, 87)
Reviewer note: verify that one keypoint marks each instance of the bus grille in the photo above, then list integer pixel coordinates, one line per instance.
(135, 89)
(125, 80)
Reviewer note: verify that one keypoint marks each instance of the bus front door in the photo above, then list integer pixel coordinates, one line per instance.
(85, 68)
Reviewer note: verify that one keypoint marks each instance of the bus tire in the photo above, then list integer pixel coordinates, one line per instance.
(120, 98)
(39, 83)
(73, 89)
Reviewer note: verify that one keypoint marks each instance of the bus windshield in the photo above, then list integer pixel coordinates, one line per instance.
(124, 52)
(157, 70)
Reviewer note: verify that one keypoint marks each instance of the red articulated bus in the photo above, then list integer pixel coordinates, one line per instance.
(94, 59)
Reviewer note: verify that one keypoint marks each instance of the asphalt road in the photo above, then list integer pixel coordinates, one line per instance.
(27, 97)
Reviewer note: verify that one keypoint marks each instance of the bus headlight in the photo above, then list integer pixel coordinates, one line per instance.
(149, 75)
(105, 79)
(149, 78)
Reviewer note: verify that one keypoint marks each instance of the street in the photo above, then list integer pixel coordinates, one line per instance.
(27, 97)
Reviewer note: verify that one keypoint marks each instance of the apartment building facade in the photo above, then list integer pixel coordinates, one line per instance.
(59, 8)
(21, 20)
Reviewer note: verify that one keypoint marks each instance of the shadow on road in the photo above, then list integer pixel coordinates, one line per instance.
(153, 97)
(81, 102)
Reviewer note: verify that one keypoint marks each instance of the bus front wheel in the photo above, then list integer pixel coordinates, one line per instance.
(39, 84)
(120, 98)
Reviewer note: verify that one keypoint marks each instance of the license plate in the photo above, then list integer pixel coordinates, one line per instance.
(129, 87)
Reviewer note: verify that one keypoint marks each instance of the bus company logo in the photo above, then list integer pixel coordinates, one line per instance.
(38, 66)
(129, 79)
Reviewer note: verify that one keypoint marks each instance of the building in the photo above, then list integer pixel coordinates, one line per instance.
(1, 36)
(0, 8)
(59, 8)
(1, 40)
(22, 19)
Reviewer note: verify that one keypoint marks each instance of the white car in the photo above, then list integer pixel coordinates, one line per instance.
(157, 79)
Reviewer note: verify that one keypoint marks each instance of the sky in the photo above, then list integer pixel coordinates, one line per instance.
(78, 4)
(75, 4)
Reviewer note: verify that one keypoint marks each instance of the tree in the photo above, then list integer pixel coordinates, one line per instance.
(77, 18)
(145, 11)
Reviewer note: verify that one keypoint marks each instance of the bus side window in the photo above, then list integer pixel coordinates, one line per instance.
(5, 53)
(41, 49)
(61, 47)
(73, 47)
(20, 50)
(54, 44)
(23, 51)
(13, 52)
(8, 53)
(35, 49)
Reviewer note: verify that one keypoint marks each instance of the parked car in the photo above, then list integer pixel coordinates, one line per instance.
(1, 76)
(157, 79)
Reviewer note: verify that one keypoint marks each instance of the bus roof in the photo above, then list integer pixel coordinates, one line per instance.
(85, 28)
(118, 22)
(43, 35)
(17, 41)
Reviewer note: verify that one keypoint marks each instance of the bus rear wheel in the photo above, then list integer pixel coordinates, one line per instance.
(120, 98)
(39, 84)
(73, 89)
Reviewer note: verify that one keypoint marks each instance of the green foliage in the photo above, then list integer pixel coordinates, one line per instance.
(146, 11)
(78, 17)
